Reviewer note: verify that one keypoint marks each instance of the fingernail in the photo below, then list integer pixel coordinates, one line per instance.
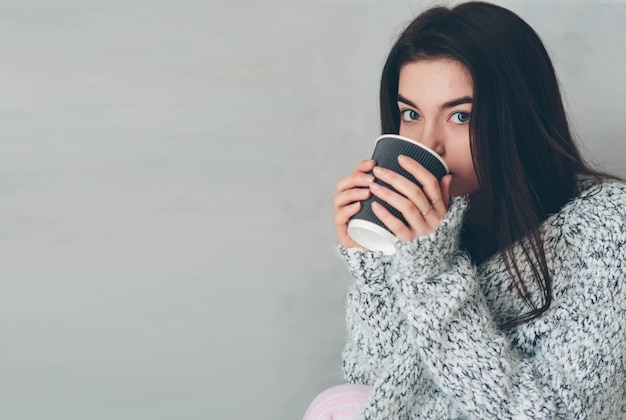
(374, 186)
(403, 159)
(379, 171)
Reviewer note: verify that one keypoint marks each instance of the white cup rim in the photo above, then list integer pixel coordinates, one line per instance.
(372, 236)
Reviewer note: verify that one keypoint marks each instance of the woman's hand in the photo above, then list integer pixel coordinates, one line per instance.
(423, 208)
(351, 190)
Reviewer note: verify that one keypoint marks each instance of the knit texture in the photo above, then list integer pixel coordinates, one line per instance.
(423, 323)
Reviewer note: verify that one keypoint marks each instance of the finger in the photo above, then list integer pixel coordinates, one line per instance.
(359, 178)
(439, 206)
(341, 224)
(347, 197)
(395, 225)
(406, 188)
(445, 189)
(365, 165)
(430, 183)
(411, 213)
(345, 213)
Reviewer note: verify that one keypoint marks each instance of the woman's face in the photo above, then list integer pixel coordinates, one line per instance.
(435, 103)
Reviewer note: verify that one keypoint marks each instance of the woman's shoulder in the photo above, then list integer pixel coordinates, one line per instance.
(598, 196)
(601, 188)
(585, 249)
(597, 212)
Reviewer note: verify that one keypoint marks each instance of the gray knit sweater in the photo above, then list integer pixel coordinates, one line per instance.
(423, 323)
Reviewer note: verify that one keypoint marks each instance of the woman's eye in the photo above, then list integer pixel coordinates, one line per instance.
(460, 117)
(410, 115)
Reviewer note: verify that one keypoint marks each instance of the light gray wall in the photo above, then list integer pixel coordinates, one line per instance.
(166, 177)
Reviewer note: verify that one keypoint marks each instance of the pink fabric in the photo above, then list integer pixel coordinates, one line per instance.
(341, 402)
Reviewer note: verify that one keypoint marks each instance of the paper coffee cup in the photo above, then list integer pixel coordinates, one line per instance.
(364, 227)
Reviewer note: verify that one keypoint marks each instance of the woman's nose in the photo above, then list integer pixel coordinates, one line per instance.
(432, 137)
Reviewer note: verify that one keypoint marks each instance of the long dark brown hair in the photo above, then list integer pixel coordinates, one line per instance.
(522, 148)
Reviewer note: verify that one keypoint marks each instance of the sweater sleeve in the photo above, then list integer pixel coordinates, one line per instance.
(372, 317)
(377, 352)
(471, 361)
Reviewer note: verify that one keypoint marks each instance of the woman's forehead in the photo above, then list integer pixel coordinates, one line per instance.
(434, 78)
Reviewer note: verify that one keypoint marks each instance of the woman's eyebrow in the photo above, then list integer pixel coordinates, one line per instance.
(455, 102)
(449, 104)
(405, 101)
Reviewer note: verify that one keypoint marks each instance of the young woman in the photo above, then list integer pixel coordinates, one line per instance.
(506, 297)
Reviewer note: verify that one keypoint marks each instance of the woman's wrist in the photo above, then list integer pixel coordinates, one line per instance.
(367, 267)
(430, 254)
